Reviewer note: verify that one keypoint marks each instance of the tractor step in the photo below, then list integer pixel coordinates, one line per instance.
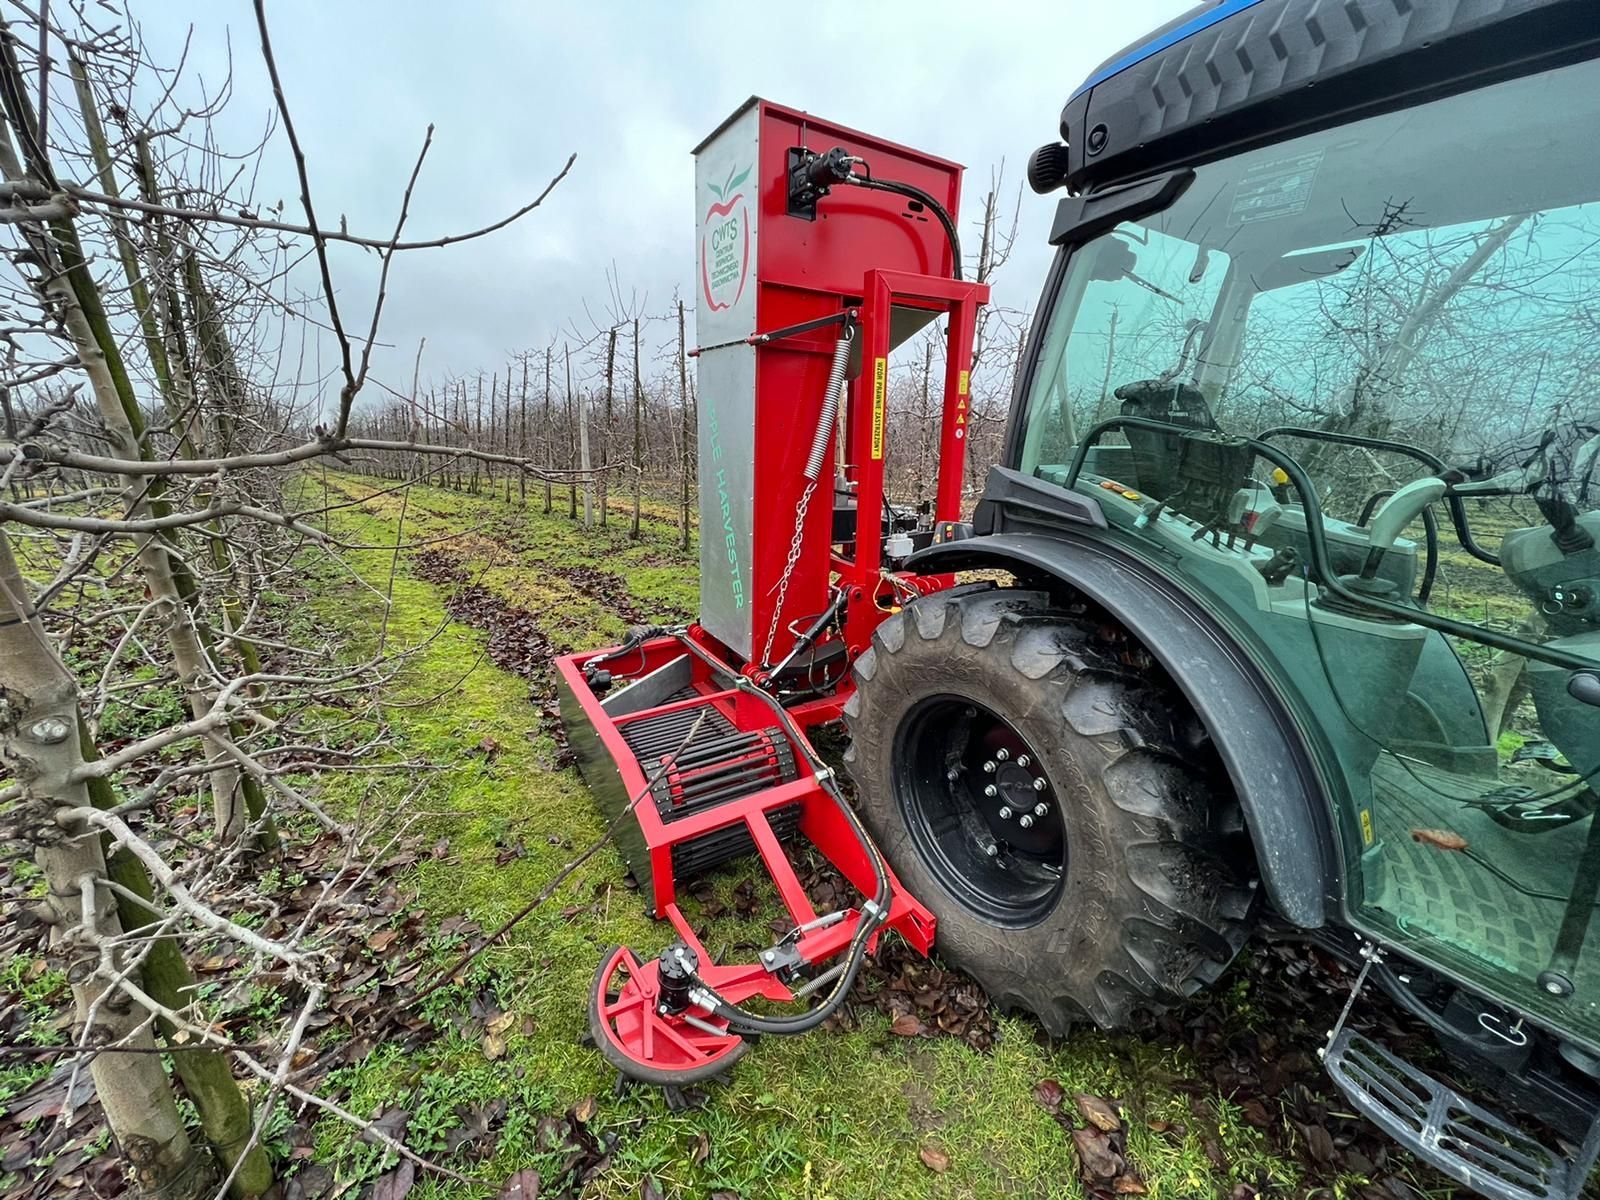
(1438, 1124)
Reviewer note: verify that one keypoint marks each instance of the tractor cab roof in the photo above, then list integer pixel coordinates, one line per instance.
(1230, 74)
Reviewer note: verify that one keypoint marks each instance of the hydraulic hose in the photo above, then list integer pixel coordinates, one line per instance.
(873, 914)
(912, 192)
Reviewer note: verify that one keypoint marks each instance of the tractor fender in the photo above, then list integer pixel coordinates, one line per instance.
(1266, 761)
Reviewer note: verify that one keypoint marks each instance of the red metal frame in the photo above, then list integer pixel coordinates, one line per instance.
(866, 439)
(804, 271)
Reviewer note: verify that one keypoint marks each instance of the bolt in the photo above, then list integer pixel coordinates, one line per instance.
(766, 956)
(1039, 785)
(1002, 754)
(991, 791)
(1026, 820)
(971, 712)
(1023, 760)
(953, 774)
(988, 767)
(1041, 810)
(991, 849)
(51, 731)
(1005, 812)
(1553, 988)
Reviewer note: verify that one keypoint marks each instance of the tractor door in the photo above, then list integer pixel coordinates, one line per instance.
(1343, 392)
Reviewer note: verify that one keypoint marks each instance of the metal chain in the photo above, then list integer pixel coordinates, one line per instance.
(788, 569)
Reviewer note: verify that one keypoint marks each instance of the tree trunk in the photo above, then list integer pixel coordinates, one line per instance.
(605, 426)
(638, 434)
(687, 425)
(39, 749)
(548, 457)
(522, 427)
(68, 286)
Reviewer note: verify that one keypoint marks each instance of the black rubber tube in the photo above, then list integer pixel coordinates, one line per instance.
(871, 921)
(1458, 510)
(911, 192)
(1322, 571)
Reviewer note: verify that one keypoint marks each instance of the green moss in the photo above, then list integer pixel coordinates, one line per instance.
(837, 1115)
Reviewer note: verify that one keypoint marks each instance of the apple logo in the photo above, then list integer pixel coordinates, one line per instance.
(725, 243)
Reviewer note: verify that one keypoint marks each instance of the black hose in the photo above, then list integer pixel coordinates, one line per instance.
(873, 916)
(1322, 570)
(912, 192)
(1430, 523)
(1453, 503)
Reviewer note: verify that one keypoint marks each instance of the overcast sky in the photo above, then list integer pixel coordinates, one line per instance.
(513, 88)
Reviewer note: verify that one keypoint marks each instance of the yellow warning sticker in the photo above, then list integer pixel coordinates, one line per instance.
(964, 382)
(1366, 826)
(880, 399)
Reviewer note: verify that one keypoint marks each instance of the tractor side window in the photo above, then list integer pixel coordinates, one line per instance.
(1135, 299)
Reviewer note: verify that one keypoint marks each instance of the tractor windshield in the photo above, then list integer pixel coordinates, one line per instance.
(1345, 390)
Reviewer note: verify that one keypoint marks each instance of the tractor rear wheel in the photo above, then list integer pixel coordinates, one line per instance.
(1053, 800)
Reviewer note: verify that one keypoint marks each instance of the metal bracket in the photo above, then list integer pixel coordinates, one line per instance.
(1371, 954)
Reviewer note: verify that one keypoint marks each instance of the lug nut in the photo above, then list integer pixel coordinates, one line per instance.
(1041, 810)
(1023, 760)
(1025, 820)
(1005, 812)
(1002, 754)
(991, 791)
(991, 849)
(988, 767)
(1039, 785)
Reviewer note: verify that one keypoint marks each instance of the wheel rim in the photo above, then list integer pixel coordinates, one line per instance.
(980, 809)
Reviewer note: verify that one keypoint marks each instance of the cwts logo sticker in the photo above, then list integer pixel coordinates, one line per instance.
(725, 243)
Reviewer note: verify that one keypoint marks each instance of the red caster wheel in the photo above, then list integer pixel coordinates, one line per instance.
(668, 1049)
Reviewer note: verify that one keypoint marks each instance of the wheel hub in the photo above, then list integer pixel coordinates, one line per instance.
(981, 809)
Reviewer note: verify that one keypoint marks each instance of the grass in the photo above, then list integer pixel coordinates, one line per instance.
(836, 1115)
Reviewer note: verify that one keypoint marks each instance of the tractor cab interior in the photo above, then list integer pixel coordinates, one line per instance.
(1343, 389)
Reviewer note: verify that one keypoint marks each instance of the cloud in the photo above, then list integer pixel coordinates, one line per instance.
(512, 88)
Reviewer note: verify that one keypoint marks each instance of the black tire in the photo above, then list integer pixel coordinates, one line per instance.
(1156, 893)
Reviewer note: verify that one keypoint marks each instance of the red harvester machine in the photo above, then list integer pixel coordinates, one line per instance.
(820, 250)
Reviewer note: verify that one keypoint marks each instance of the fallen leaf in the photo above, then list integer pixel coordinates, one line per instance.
(392, 1123)
(648, 1189)
(1098, 1113)
(494, 1046)
(1127, 1185)
(382, 940)
(396, 1184)
(906, 1026)
(585, 1109)
(1444, 839)
(499, 1024)
(702, 1148)
(1256, 1113)
(1320, 1142)
(311, 1182)
(1243, 1191)
(935, 1159)
(1098, 1159)
(524, 1185)
(1049, 1094)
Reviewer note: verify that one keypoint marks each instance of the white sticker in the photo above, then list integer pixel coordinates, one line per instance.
(1279, 188)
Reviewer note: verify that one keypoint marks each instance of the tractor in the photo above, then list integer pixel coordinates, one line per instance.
(1280, 613)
